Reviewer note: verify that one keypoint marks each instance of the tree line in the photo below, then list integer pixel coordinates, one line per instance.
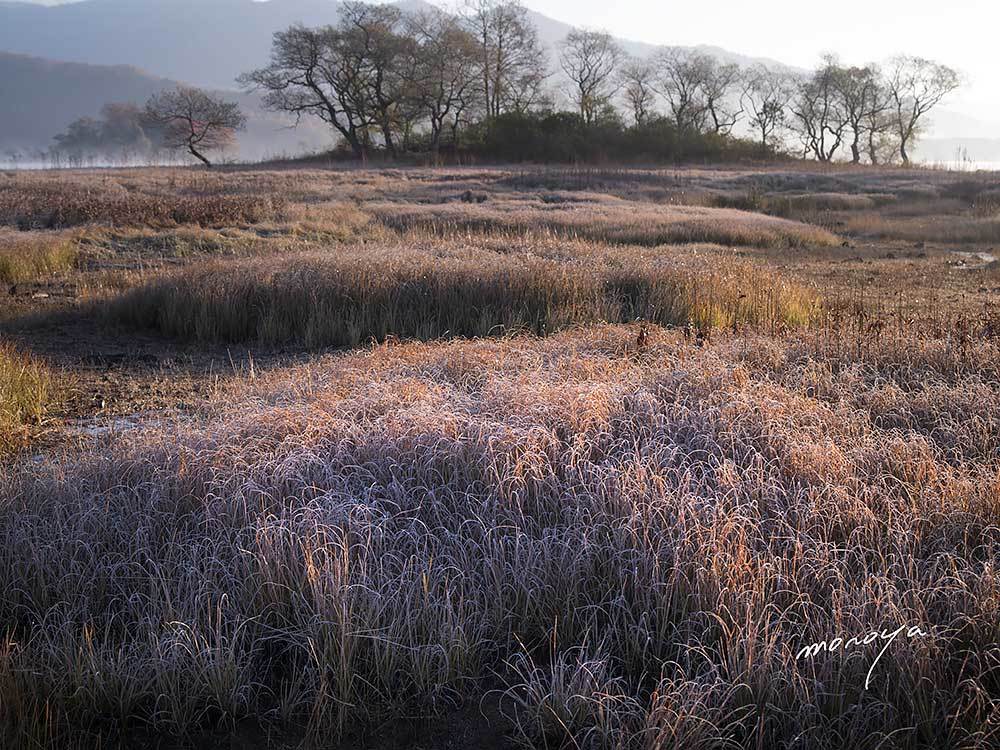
(876, 113)
(184, 119)
(480, 82)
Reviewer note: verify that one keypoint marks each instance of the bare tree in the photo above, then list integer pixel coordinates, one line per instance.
(682, 79)
(882, 144)
(195, 120)
(126, 133)
(862, 96)
(916, 86)
(445, 71)
(527, 92)
(819, 112)
(512, 61)
(637, 79)
(590, 60)
(766, 94)
(353, 76)
(311, 74)
(80, 141)
(370, 35)
(13, 157)
(123, 134)
(409, 113)
(720, 92)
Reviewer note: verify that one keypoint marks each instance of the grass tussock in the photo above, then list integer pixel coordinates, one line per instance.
(25, 396)
(328, 221)
(350, 296)
(804, 205)
(966, 229)
(630, 551)
(609, 221)
(613, 535)
(54, 205)
(30, 257)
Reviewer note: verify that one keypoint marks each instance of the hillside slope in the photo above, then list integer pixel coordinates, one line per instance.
(204, 42)
(39, 98)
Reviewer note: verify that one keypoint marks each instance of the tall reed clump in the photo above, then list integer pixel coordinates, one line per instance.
(347, 297)
(25, 395)
(619, 551)
(29, 258)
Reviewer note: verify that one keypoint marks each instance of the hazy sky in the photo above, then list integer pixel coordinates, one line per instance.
(962, 33)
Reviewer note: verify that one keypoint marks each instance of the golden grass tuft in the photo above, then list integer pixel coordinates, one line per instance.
(30, 257)
(25, 395)
(348, 296)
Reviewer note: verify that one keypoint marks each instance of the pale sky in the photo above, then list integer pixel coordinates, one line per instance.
(964, 34)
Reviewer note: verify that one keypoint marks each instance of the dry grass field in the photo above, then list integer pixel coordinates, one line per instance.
(495, 458)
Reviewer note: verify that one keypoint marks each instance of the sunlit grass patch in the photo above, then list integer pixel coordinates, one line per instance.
(31, 257)
(26, 390)
(427, 291)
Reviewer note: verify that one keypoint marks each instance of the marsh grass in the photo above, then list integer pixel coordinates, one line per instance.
(26, 390)
(927, 227)
(353, 295)
(618, 536)
(53, 205)
(801, 206)
(608, 221)
(32, 257)
(632, 546)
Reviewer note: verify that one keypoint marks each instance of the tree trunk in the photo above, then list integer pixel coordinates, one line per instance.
(355, 143)
(872, 150)
(902, 152)
(195, 153)
(436, 126)
(390, 145)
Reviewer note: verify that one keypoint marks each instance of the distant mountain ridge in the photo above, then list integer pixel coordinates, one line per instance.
(38, 95)
(39, 98)
(204, 42)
